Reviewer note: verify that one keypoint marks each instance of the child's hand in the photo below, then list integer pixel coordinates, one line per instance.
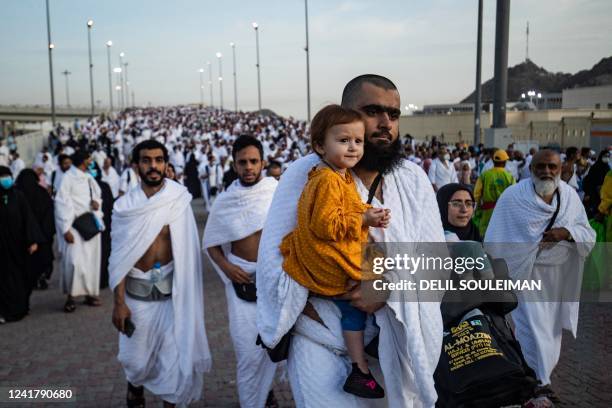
(384, 222)
(376, 217)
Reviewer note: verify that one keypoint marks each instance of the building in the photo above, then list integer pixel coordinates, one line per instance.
(563, 127)
(592, 97)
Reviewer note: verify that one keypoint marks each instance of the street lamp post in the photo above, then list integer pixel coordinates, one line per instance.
(210, 84)
(127, 85)
(307, 49)
(478, 95)
(119, 87)
(119, 94)
(201, 70)
(91, 91)
(110, 75)
(235, 80)
(256, 27)
(50, 46)
(219, 56)
(122, 79)
(66, 73)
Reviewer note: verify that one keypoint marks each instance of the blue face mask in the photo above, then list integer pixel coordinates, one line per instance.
(6, 182)
(93, 172)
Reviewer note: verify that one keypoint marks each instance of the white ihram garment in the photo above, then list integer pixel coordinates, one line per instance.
(170, 353)
(539, 324)
(80, 261)
(410, 332)
(237, 213)
(441, 175)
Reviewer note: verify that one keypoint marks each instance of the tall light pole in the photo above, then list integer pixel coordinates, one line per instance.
(219, 56)
(478, 96)
(307, 49)
(210, 84)
(109, 44)
(201, 70)
(122, 79)
(119, 87)
(91, 91)
(235, 81)
(256, 27)
(119, 94)
(66, 73)
(50, 46)
(127, 85)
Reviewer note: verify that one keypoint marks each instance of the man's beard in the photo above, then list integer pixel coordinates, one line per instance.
(152, 183)
(250, 183)
(545, 187)
(381, 157)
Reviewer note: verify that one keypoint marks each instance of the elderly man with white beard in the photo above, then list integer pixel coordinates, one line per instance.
(552, 240)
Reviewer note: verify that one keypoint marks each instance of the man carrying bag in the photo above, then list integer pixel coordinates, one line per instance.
(78, 217)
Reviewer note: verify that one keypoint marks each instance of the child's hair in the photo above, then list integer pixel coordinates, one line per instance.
(330, 116)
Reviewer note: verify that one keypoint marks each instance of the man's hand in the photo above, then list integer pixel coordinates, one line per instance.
(95, 206)
(69, 237)
(556, 235)
(120, 313)
(354, 295)
(33, 248)
(236, 274)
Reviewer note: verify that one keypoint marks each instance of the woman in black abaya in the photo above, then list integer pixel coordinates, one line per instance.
(41, 204)
(19, 238)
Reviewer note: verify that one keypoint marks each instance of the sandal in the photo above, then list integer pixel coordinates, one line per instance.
(92, 301)
(135, 397)
(548, 392)
(69, 306)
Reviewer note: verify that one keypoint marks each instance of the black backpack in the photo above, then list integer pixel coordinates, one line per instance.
(481, 363)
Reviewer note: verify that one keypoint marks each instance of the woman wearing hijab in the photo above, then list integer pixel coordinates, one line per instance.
(19, 239)
(456, 204)
(594, 180)
(107, 210)
(41, 204)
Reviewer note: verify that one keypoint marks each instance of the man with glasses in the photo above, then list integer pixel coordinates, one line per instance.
(489, 187)
(410, 332)
(532, 227)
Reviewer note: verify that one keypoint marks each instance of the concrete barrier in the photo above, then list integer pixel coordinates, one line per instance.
(29, 144)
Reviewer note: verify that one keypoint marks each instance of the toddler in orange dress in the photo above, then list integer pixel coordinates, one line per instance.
(325, 249)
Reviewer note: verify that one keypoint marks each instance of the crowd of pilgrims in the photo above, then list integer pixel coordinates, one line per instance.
(199, 141)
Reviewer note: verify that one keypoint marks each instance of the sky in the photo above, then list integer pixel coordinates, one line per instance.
(427, 47)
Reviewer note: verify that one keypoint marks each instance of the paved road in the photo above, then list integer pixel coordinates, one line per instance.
(79, 350)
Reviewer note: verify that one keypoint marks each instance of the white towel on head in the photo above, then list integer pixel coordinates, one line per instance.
(410, 332)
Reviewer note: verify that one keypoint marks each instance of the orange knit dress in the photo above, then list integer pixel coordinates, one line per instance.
(325, 249)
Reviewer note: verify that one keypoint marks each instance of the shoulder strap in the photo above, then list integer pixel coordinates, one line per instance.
(554, 217)
(373, 188)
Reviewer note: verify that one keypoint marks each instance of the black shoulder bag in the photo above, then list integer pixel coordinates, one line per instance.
(86, 224)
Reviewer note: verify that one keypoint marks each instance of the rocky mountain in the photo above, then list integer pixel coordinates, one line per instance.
(527, 75)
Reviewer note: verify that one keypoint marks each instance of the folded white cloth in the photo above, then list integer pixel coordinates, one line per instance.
(410, 332)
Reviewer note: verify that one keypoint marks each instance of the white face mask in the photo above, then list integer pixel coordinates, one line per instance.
(605, 159)
(447, 157)
(546, 187)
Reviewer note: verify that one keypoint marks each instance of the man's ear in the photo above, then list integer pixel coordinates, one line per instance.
(264, 164)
